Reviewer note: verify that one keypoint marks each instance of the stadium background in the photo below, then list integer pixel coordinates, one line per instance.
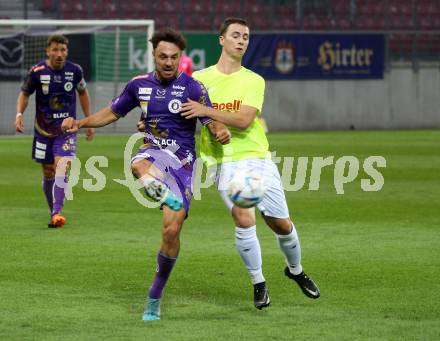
(406, 96)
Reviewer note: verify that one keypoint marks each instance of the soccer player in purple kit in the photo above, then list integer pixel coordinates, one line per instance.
(164, 164)
(55, 82)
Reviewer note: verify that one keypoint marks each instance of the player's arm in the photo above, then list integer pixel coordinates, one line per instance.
(22, 103)
(100, 119)
(84, 101)
(140, 125)
(220, 132)
(240, 119)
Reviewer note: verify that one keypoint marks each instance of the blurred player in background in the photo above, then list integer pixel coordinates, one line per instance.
(186, 64)
(164, 164)
(55, 82)
(238, 94)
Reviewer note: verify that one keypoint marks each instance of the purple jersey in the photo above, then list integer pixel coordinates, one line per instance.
(161, 104)
(55, 97)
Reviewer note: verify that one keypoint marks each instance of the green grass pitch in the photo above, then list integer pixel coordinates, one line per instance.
(375, 255)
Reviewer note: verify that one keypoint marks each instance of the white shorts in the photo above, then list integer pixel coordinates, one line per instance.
(274, 201)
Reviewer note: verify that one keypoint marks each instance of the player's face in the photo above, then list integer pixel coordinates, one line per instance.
(235, 40)
(57, 55)
(166, 57)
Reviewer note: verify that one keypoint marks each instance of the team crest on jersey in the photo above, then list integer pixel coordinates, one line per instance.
(68, 86)
(284, 57)
(174, 106)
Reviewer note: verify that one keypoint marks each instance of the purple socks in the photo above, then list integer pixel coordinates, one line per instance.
(58, 194)
(164, 267)
(47, 189)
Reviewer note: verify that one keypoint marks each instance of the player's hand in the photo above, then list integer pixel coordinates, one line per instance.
(19, 124)
(223, 135)
(69, 125)
(90, 134)
(192, 109)
(140, 126)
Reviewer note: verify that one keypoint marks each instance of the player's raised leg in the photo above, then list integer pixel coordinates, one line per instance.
(152, 179)
(166, 259)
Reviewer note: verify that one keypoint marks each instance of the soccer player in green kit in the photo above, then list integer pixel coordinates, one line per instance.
(237, 96)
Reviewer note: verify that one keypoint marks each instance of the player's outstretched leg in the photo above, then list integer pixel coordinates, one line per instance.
(158, 191)
(308, 287)
(152, 309)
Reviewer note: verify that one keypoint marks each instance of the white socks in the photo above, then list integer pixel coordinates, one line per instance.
(249, 249)
(289, 245)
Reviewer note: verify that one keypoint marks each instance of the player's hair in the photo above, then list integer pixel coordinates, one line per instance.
(230, 21)
(57, 38)
(170, 35)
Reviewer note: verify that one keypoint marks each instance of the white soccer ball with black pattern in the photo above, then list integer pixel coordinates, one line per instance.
(246, 189)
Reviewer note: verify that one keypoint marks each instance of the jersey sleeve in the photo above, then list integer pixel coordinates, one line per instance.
(29, 84)
(200, 94)
(254, 95)
(126, 101)
(79, 79)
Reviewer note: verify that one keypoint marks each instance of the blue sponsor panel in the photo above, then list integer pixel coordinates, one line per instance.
(316, 56)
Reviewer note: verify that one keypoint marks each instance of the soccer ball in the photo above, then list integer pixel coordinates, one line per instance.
(246, 189)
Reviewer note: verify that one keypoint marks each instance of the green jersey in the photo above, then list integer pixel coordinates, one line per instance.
(228, 92)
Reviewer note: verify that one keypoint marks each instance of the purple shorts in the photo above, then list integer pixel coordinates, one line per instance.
(176, 176)
(44, 149)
